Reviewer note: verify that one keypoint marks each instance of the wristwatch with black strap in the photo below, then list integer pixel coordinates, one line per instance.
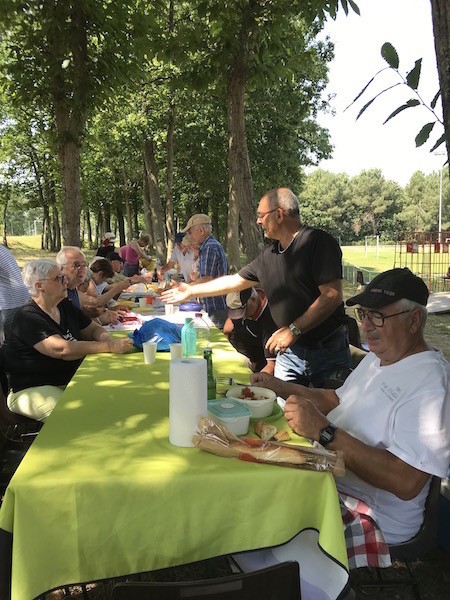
(327, 434)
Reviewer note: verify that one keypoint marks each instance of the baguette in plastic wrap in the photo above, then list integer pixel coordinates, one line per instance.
(217, 439)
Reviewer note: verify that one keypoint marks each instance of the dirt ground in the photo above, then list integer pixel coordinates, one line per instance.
(432, 574)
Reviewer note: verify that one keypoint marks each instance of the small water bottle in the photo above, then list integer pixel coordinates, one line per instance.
(188, 338)
(202, 333)
(212, 392)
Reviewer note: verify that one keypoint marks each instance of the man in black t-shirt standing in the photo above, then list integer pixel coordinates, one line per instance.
(301, 274)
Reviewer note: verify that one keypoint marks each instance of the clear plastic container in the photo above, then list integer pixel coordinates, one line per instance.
(231, 414)
(202, 334)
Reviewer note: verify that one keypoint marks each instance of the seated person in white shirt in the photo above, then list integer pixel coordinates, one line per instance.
(183, 255)
(391, 417)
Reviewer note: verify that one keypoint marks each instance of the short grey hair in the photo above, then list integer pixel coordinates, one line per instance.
(61, 257)
(286, 199)
(207, 227)
(405, 304)
(35, 270)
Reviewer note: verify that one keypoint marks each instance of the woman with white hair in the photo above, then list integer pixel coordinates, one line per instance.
(49, 339)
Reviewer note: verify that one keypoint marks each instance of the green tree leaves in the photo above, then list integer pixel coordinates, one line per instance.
(389, 53)
(410, 81)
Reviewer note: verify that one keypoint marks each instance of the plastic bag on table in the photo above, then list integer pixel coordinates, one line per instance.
(217, 439)
(163, 331)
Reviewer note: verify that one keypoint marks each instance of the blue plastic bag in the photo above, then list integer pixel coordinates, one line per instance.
(164, 332)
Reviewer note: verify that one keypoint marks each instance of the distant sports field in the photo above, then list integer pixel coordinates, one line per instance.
(429, 262)
(358, 256)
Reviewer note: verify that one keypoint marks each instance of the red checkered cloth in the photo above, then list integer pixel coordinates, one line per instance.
(366, 546)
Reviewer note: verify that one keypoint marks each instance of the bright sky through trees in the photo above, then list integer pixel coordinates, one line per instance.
(367, 143)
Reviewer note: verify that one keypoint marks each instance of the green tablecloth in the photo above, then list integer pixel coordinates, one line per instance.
(102, 492)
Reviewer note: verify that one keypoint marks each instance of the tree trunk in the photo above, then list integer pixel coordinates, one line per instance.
(106, 219)
(98, 224)
(56, 229)
(170, 226)
(120, 226)
(153, 212)
(70, 164)
(46, 234)
(440, 12)
(134, 214)
(240, 185)
(70, 114)
(5, 208)
(129, 227)
(87, 216)
(240, 178)
(146, 204)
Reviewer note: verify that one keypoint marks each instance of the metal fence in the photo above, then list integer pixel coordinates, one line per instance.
(359, 275)
(355, 274)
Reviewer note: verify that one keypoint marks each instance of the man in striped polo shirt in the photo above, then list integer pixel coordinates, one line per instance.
(212, 263)
(13, 293)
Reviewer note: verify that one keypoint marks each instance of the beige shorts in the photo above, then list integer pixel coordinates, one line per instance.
(36, 402)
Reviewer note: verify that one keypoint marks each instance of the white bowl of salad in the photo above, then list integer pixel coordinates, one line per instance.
(258, 399)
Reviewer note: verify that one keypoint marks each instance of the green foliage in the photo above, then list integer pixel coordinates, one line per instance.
(421, 202)
(116, 67)
(389, 53)
(368, 204)
(326, 203)
(411, 81)
(87, 47)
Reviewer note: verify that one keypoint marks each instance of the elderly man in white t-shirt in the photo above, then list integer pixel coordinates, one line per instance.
(391, 418)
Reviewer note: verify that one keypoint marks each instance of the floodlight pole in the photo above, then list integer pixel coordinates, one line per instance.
(440, 197)
(440, 207)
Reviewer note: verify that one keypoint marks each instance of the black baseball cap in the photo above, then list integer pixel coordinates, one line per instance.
(391, 286)
(237, 303)
(114, 256)
(179, 237)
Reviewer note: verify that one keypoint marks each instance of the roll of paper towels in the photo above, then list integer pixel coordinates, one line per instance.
(188, 399)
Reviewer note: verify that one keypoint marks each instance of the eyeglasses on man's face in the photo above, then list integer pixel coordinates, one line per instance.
(57, 278)
(260, 215)
(78, 266)
(374, 316)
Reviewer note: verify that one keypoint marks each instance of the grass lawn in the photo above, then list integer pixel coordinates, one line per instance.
(357, 255)
(27, 247)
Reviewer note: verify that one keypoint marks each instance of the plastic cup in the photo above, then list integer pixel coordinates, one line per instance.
(142, 302)
(176, 351)
(149, 349)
